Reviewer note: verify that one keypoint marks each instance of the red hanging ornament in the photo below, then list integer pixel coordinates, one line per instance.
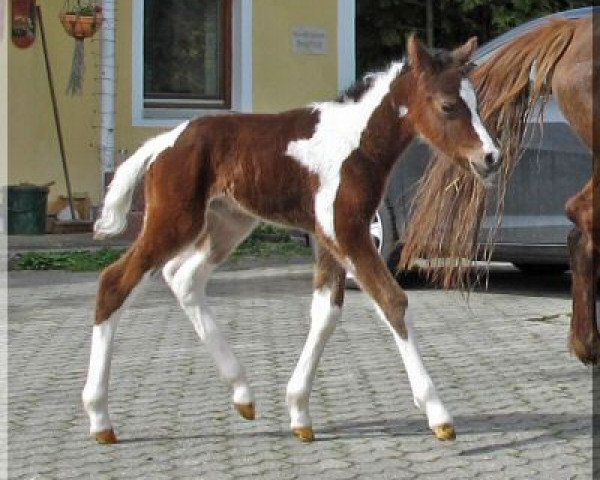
(23, 22)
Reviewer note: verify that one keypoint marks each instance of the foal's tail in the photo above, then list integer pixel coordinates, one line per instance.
(120, 193)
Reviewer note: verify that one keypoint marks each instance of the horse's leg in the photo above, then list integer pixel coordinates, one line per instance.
(328, 298)
(575, 88)
(187, 276)
(584, 339)
(392, 306)
(169, 226)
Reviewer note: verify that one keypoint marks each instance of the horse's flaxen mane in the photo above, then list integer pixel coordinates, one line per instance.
(450, 201)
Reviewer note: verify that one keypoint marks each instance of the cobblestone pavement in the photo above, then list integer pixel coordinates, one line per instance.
(521, 403)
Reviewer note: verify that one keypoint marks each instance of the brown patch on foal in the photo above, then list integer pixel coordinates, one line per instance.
(178, 176)
(214, 156)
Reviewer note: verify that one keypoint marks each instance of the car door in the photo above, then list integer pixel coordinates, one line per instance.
(554, 166)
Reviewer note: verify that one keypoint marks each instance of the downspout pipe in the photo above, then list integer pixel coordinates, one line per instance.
(107, 92)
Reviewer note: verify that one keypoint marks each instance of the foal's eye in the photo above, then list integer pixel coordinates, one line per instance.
(448, 108)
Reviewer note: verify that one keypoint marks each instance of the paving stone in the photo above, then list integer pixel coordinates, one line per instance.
(520, 401)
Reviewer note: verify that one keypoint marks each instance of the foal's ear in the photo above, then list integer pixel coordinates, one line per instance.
(463, 54)
(418, 56)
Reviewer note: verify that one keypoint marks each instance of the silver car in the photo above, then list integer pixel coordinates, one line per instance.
(555, 165)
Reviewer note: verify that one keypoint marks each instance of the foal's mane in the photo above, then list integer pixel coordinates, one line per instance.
(356, 91)
(441, 59)
(450, 202)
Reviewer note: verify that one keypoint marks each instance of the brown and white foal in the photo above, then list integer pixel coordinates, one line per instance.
(323, 169)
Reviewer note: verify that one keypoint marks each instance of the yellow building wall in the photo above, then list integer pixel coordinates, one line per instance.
(283, 79)
(33, 152)
(128, 137)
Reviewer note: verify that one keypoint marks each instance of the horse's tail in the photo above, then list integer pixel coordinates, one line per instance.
(120, 193)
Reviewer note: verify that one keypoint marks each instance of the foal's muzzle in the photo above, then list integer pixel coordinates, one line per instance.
(486, 166)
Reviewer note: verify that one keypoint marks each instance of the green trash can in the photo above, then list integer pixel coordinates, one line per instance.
(27, 209)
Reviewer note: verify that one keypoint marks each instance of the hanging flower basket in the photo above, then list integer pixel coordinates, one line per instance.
(80, 20)
(81, 26)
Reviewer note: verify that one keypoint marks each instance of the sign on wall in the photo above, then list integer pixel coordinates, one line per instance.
(309, 41)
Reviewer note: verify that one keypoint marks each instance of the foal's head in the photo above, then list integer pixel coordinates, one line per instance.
(443, 107)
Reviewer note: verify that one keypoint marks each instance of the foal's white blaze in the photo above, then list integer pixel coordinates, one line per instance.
(336, 136)
(423, 390)
(323, 318)
(95, 392)
(467, 93)
(402, 111)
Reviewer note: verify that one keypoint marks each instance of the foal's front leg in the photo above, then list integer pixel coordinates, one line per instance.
(392, 306)
(328, 298)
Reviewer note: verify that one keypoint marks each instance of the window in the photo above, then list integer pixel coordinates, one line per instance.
(187, 54)
(159, 98)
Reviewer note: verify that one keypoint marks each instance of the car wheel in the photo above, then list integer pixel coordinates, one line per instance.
(542, 268)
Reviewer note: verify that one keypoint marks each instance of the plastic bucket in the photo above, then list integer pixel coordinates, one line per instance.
(27, 207)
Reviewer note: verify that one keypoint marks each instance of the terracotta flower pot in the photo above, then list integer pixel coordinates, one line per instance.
(81, 27)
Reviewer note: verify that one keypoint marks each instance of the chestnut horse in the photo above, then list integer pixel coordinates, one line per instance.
(559, 52)
(322, 169)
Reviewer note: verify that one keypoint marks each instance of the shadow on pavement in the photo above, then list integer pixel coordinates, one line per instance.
(543, 424)
(507, 280)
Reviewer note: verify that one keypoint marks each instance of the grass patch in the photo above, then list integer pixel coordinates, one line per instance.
(74, 261)
(258, 248)
(264, 242)
(268, 241)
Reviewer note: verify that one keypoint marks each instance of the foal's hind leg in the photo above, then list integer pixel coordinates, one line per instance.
(392, 306)
(187, 276)
(169, 226)
(328, 298)
(116, 283)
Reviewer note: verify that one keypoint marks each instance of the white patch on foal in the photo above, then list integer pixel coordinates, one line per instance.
(323, 318)
(95, 392)
(423, 390)
(336, 136)
(187, 275)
